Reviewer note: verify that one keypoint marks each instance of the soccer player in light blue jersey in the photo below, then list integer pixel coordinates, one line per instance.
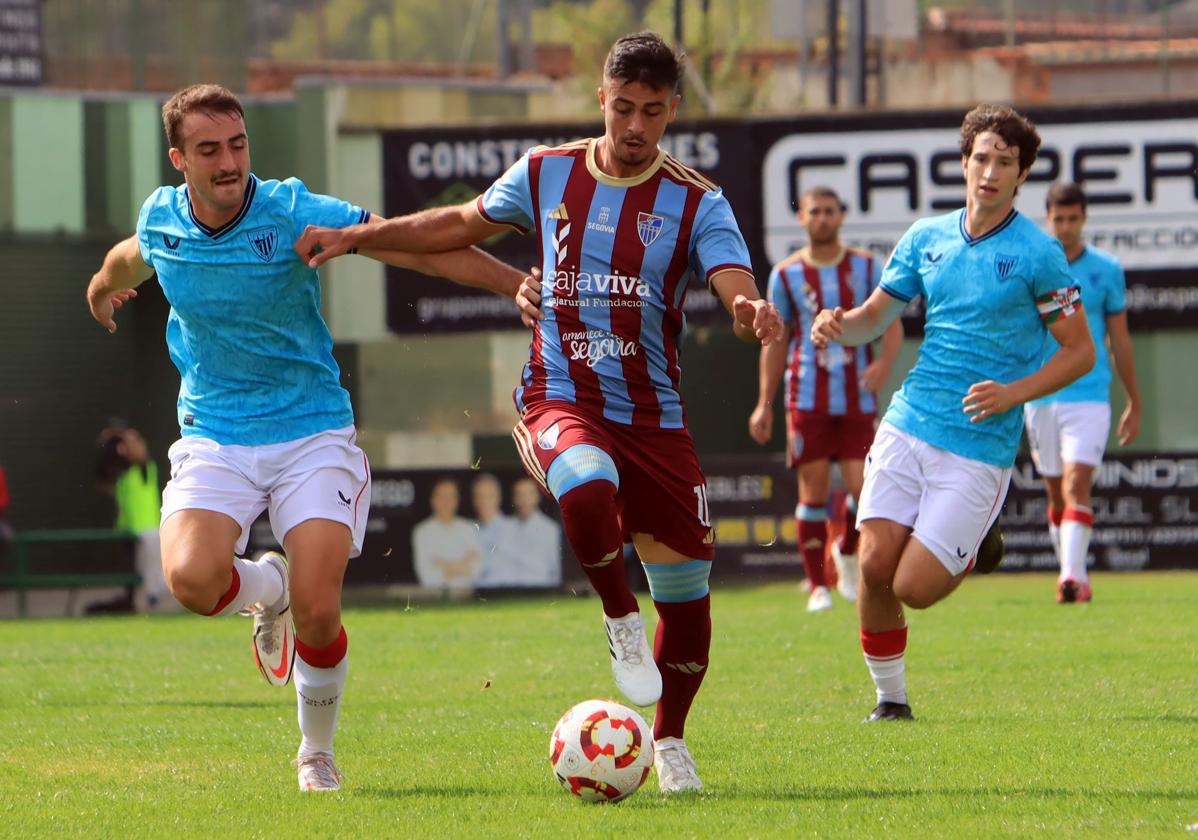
(1068, 429)
(265, 422)
(939, 468)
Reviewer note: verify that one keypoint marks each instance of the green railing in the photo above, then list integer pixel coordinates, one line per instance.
(23, 578)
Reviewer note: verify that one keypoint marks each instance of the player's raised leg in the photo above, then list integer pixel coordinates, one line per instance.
(202, 572)
(570, 456)
(319, 551)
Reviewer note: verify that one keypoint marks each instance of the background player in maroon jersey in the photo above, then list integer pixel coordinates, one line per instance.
(831, 393)
(621, 227)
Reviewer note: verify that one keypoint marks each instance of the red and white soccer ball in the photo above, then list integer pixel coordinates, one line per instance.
(601, 751)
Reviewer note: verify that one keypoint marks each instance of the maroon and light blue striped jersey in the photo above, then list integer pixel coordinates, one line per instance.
(826, 381)
(616, 255)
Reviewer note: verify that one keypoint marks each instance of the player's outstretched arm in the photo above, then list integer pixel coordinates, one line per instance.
(859, 325)
(770, 367)
(466, 266)
(1116, 330)
(429, 231)
(1076, 356)
(753, 318)
(116, 281)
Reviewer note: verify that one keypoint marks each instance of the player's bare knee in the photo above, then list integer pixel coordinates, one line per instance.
(195, 585)
(316, 622)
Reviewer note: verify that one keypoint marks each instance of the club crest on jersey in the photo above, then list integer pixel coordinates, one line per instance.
(649, 227)
(264, 240)
(547, 438)
(1004, 264)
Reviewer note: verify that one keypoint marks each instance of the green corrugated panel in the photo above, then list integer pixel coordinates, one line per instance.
(147, 147)
(6, 220)
(95, 167)
(47, 156)
(117, 198)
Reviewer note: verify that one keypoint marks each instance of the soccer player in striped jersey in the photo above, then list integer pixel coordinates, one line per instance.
(831, 394)
(938, 471)
(620, 226)
(1068, 429)
(265, 423)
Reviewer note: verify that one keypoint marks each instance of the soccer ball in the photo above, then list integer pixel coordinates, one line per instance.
(601, 751)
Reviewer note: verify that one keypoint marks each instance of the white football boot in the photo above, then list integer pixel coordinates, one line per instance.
(632, 663)
(819, 600)
(846, 573)
(675, 768)
(318, 772)
(274, 634)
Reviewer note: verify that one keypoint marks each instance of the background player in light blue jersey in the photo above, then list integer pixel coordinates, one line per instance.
(1068, 429)
(939, 468)
(265, 422)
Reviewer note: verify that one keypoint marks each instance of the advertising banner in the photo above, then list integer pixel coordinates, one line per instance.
(1139, 165)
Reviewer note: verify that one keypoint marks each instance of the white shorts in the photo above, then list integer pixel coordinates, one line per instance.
(1067, 433)
(949, 501)
(323, 476)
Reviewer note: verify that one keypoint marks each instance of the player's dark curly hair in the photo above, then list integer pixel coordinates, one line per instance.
(644, 57)
(1065, 194)
(1014, 128)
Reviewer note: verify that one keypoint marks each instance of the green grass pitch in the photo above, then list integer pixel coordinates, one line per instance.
(1033, 718)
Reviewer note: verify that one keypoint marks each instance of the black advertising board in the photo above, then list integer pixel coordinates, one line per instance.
(1145, 517)
(1138, 163)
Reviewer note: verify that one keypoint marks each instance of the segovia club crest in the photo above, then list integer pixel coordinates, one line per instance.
(649, 227)
(264, 241)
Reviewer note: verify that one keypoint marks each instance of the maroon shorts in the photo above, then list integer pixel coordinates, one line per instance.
(811, 436)
(662, 491)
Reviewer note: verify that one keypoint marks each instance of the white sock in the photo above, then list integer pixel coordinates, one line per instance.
(258, 583)
(1075, 543)
(890, 678)
(318, 694)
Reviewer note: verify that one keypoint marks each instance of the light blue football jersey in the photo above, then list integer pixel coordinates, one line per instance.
(988, 299)
(1103, 287)
(245, 329)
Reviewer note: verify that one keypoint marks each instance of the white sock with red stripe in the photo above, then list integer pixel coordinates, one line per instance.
(884, 652)
(1076, 525)
(253, 583)
(319, 683)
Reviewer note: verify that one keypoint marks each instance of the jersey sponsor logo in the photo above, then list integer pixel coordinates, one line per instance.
(593, 346)
(547, 437)
(649, 227)
(1004, 264)
(570, 281)
(961, 553)
(171, 244)
(560, 213)
(932, 258)
(601, 223)
(344, 499)
(265, 240)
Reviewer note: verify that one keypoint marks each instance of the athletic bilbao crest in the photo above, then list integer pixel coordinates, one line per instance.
(265, 240)
(649, 227)
(1004, 264)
